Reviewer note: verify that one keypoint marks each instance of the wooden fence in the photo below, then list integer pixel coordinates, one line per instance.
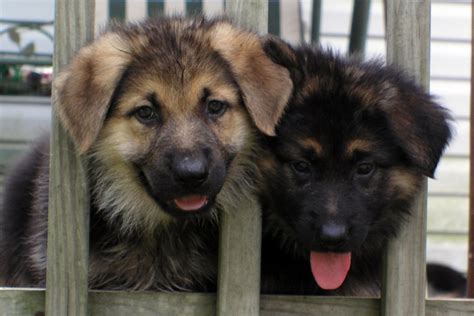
(408, 27)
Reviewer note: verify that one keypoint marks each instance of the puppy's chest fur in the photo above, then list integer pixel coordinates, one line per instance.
(178, 257)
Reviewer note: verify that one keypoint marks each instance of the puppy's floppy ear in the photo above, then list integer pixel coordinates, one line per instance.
(266, 86)
(281, 53)
(85, 88)
(421, 126)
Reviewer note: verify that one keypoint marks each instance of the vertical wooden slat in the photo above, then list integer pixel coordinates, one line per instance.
(290, 21)
(316, 21)
(249, 13)
(301, 23)
(68, 219)
(360, 22)
(470, 260)
(101, 15)
(136, 10)
(175, 7)
(213, 7)
(240, 230)
(408, 43)
(238, 286)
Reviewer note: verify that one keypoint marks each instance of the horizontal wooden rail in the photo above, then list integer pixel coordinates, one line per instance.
(105, 303)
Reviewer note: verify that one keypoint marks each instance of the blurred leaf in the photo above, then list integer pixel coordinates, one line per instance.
(14, 35)
(29, 49)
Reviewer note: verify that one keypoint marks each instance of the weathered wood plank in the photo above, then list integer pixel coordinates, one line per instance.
(68, 219)
(240, 229)
(151, 304)
(19, 302)
(470, 260)
(249, 13)
(108, 303)
(408, 42)
(239, 260)
(457, 307)
(31, 302)
(318, 305)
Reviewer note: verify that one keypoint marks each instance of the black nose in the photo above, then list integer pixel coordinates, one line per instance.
(333, 234)
(190, 169)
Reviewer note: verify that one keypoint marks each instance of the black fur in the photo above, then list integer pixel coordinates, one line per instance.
(444, 281)
(338, 100)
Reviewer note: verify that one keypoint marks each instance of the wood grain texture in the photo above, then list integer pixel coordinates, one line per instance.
(239, 260)
(455, 307)
(251, 14)
(318, 305)
(151, 304)
(68, 219)
(470, 256)
(240, 229)
(20, 302)
(408, 37)
(408, 43)
(15, 302)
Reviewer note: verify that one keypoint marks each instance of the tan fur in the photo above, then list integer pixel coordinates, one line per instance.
(359, 145)
(311, 144)
(118, 189)
(84, 90)
(123, 139)
(310, 87)
(266, 163)
(97, 68)
(266, 86)
(403, 182)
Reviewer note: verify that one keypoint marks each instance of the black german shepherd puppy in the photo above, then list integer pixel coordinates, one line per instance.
(348, 159)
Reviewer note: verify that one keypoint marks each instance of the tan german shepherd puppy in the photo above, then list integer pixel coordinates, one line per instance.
(167, 113)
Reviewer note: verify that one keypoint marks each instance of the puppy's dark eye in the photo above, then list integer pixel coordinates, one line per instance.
(301, 167)
(216, 108)
(365, 169)
(145, 114)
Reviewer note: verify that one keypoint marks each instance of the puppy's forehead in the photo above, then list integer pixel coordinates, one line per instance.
(177, 62)
(348, 147)
(175, 96)
(172, 45)
(180, 64)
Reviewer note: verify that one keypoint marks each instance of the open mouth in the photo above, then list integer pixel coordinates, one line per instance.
(187, 204)
(191, 203)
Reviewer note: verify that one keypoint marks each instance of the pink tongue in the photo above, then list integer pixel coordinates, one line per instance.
(330, 268)
(191, 202)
